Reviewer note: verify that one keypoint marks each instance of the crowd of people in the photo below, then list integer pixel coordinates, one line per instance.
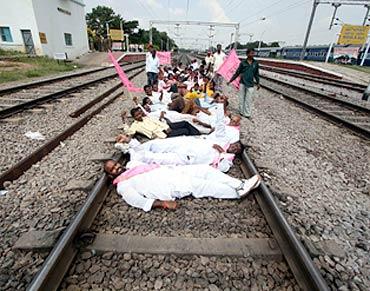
(188, 135)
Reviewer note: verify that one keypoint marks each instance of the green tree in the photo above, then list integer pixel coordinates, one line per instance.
(96, 21)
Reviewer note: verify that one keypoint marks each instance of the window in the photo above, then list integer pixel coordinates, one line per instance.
(68, 39)
(5, 34)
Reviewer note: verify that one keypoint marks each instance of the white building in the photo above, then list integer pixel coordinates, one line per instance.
(44, 27)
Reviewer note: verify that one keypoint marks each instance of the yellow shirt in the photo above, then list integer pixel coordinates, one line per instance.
(149, 127)
(193, 95)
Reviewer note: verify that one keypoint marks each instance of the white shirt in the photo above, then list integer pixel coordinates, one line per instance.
(209, 59)
(218, 60)
(195, 65)
(151, 64)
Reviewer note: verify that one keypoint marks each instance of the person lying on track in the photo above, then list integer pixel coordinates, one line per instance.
(153, 128)
(182, 150)
(148, 186)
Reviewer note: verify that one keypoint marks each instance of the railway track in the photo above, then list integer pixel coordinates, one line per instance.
(29, 95)
(351, 115)
(88, 110)
(105, 232)
(318, 79)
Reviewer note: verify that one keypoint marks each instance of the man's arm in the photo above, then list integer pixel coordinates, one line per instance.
(218, 148)
(257, 75)
(201, 123)
(237, 73)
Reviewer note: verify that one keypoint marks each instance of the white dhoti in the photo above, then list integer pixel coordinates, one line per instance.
(183, 150)
(170, 183)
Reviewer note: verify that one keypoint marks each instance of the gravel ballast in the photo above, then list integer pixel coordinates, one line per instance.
(154, 272)
(319, 172)
(51, 120)
(39, 199)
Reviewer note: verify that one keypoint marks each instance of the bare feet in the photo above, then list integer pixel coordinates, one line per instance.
(136, 100)
(171, 205)
(124, 116)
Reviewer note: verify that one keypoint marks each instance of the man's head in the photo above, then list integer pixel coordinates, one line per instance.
(250, 53)
(150, 47)
(148, 89)
(147, 101)
(177, 104)
(219, 48)
(155, 87)
(208, 53)
(113, 168)
(153, 52)
(123, 138)
(235, 120)
(196, 87)
(235, 148)
(181, 88)
(137, 114)
(218, 98)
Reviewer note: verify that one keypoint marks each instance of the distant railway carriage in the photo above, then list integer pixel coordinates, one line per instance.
(313, 53)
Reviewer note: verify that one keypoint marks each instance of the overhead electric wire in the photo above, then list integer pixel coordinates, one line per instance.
(262, 10)
(292, 6)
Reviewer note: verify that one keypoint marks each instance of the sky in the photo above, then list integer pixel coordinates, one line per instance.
(267, 20)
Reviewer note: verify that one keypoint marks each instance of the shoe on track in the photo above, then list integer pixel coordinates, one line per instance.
(249, 185)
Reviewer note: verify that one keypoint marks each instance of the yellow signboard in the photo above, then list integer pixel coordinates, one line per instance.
(42, 36)
(116, 34)
(353, 34)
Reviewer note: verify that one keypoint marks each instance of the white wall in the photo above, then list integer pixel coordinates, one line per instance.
(55, 23)
(18, 14)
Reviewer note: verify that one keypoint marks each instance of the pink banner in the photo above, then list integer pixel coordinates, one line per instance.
(164, 58)
(125, 81)
(229, 66)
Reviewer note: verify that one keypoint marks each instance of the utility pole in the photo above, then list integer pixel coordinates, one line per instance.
(236, 36)
(336, 5)
(313, 12)
(150, 32)
(367, 14)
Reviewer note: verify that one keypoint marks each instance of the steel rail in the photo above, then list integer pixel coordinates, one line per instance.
(320, 79)
(55, 95)
(323, 95)
(62, 255)
(33, 84)
(305, 271)
(23, 165)
(36, 83)
(357, 128)
(90, 104)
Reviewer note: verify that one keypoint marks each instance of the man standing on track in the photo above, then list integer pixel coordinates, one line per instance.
(152, 65)
(248, 71)
(218, 59)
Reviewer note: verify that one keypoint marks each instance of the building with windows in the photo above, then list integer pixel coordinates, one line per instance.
(44, 27)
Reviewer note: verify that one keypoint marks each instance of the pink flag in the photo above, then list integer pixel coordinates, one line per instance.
(164, 58)
(125, 81)
(229, 66)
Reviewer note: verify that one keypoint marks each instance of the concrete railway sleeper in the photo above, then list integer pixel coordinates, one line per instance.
(82, 236)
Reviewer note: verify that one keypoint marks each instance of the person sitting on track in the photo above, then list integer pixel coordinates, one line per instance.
(182, 150)
(148, 186)
(152, 128)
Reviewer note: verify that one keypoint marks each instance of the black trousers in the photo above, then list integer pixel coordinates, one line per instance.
(181, 128)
